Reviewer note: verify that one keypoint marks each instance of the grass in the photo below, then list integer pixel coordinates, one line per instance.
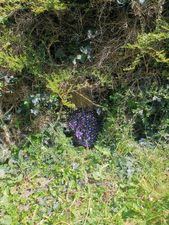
(86, 54)
(67, 185)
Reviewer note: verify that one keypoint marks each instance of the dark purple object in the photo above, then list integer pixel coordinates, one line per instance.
(84, 125)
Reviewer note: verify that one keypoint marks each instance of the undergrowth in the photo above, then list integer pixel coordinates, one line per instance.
(67, 185)
(58, 56)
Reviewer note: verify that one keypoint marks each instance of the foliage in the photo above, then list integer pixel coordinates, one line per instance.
(37, 6)
(144, 110)
(111, 54)
(60, 85)
(149, 43)
(68, 184)
(36, 103)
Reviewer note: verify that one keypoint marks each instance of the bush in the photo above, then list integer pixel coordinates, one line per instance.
(109, 56)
